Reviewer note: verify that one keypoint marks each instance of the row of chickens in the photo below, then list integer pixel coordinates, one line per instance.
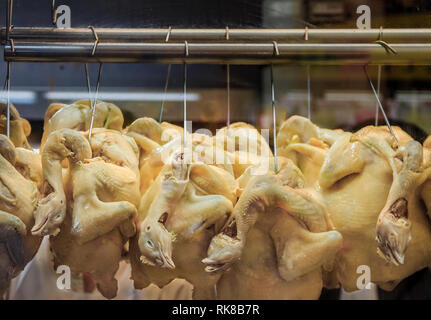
(334, 202)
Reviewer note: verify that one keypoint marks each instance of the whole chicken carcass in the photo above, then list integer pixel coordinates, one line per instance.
(77, 116)
(20, 173)
(277, 241)
(244, 147)
(372, 187)
(306, 145)
(20, 128)
(90, 213)
(179, 214)
(153, 139)
(426, 187)
(360, 179)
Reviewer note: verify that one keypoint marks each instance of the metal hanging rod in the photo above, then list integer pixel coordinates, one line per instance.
(253, 35)
(233, 53)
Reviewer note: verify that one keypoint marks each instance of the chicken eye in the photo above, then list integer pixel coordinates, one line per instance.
(150, 244)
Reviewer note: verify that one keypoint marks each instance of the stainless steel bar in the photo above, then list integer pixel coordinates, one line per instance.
(254, 35)
(233, 53)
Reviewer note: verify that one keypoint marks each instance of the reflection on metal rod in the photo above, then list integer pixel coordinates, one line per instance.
(162, 107)
(233, 53)
(274, 119)
(380, 104)
(228, 93)
(379, 74)
(308, 93)
(93, 105)
(8, 99)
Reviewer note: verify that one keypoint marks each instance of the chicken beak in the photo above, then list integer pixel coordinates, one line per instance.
(39, 226)
(167, 260)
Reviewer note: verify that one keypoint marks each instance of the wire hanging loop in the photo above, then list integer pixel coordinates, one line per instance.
(185, 106)
(186, 48)
(8, 98)
(9, 25)
(162, 107)
(93, 105)
(228, 95)
(276, 51)
(379, 75)
(380, 105)
(96, 40)
(274, 119)
(308, 92)
(168, 34)
(54, 13)
(384, 44)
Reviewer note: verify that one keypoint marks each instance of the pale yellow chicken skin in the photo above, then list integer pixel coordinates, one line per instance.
(89, 212)
(20, 173)
(357, 184)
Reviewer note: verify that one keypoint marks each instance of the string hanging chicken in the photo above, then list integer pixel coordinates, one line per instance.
(89, 211)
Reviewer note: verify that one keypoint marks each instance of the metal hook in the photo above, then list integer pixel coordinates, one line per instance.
(93, 105)
(186, 47)
(380, 104)
(228, 85)
(185, 105)
(54, 13)
(9, 25)
(308, 93)
(87, 76)
(8, 99)
(168, 34)
(379, 74)
(162, 107)
(306, 34)
(274, 120)
(228, 94)
(276, 52)
(96, 40)
(384, 44)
